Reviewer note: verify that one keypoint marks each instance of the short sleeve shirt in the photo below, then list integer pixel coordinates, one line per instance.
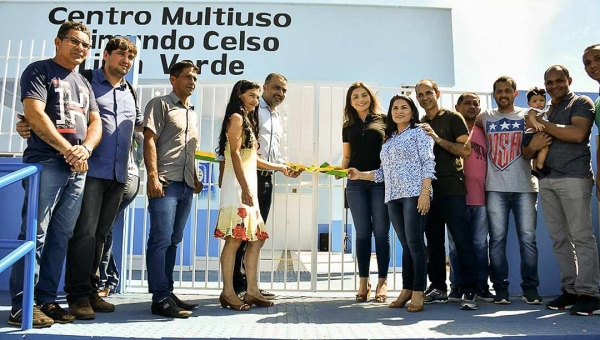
(507, 169)
(365, 140)
(448, 125)
(69, 101)
(476, 168)
(176, 127)
(570, 159)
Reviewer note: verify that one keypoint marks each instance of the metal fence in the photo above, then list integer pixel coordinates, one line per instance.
(311, 244)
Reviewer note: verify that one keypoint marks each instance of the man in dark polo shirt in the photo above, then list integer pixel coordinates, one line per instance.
(566, 192)
(451, 136)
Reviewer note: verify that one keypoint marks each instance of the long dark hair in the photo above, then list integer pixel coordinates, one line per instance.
(250, 122)
(390, 125)
(350, 114)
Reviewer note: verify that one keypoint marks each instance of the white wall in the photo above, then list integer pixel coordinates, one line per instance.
(316, 43)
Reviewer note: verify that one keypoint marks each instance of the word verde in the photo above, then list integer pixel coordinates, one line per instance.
(209, 40)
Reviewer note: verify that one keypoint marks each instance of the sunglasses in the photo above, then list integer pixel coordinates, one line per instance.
(76, 42)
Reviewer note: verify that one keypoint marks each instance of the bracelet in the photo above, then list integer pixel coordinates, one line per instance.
(88, 149)
(426, 188)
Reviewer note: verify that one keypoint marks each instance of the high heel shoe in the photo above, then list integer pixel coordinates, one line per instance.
(365, 297)
(381, 297)
(403, 298)
(238, 305)
(253, 300)
(416, 302)
(104, 292)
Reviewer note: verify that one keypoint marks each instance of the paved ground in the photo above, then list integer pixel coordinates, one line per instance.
(311, 317)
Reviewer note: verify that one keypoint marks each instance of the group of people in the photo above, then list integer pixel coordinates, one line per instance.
(455, 169)
(467, 170)
(82, 128)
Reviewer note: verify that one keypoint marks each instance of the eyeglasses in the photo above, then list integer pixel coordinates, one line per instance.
(76, 42)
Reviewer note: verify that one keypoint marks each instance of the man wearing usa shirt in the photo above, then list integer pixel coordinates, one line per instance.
(510, 186)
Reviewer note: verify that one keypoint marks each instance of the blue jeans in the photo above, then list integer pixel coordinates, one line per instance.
(168, 217)
(478, 220)
(523, 206)
(450, 211)
(99, 208)
(370, 215)
(410, 228)
(59, 203)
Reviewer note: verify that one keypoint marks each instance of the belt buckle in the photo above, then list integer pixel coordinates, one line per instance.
(265, 173)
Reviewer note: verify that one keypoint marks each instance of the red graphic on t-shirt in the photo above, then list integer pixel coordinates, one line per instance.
(504, 141)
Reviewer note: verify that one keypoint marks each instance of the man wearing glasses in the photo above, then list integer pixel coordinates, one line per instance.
(106, 178)
(65, 127)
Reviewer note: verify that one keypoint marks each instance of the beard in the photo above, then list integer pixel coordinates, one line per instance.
(503, 106)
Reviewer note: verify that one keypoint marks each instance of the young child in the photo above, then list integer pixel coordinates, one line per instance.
(536, 99)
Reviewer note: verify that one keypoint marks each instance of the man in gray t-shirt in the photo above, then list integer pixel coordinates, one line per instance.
(566, 192)
(510, 186)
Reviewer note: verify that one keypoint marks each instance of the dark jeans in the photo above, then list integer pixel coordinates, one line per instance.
(101, 199)
(265, 195)
(59, 203)
(410, 228)
(452, 212)
(478, 220)
(168, 217)
(108, 270)
(370, 214)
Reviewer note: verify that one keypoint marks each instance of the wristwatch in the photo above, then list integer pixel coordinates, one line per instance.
(87, 148)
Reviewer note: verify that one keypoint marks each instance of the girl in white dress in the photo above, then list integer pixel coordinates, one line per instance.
(239, 216)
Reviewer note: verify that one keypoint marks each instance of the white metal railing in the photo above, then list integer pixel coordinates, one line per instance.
(302, 208)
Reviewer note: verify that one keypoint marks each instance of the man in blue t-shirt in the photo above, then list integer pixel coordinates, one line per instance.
(65, 128)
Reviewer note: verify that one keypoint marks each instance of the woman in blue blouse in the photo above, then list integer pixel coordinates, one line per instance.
(407, 166)
(362, 135)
